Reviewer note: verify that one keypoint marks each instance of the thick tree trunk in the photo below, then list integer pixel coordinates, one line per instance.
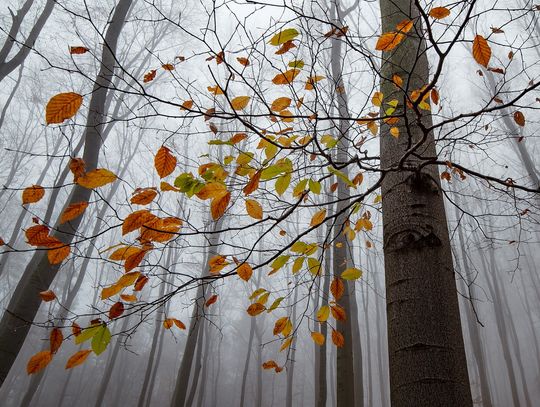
(426, 351)
(39, 273)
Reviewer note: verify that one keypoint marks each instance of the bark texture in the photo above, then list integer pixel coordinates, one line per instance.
(426, 353)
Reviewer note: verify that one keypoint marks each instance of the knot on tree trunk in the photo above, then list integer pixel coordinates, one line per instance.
(410, 239)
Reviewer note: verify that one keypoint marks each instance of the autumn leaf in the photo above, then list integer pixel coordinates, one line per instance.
(47, 296)
(55, 339)
(216, 90)
(164, 162)
(128, 297)
(217, 263)
(338, 312)
(519, 118)
(144, 197)
(270, 364)
(389, 41)
(140, 283)
(337, 288)
(179, 324)
(311, 81)
(439, 12)
(188, 104)
(168, 67)
(285, 47)
(62, 106)
(255, 309)
(253, 184)
(211, 300)
(96, 178)
(38, 235)
(481, 51)
(77, 50)
(77, 168)
(135, 220)
(243, 61)
(286, 77)
(116, 310)
(254, 209)
(280, 104)
(323, 313)
(219, 205)
(283, 36)
(405, 26)
(244, 271)
(38, 361)
(78, 358)
(286, 344)
(337, 338)
(318, 338)
(148, 77)
(434, 94)
(240, 102)
(73, 211)
(168, 323)
(394, 132)
(57, 255)
(32, 194)
(280, 325)
(318, 218)
(351, 274)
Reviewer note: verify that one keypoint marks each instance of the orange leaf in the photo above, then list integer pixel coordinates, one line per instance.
(134, 260)
(254, 209)
(160, 230)
(116, 310)
(135, 220)
(244, 271)
(481, 51)
(164, 162)
(78, 358)
(62, 106)
(57, 255)
(211, 300)
(145, 197)
(38, 361)
(78, 50)
(270, 364)
(337, 338)
(140, 283)
(285, 77)
(337, 288)
(285, 47)
(168, 323)
(280, 325)
(439, 12)
(389, 41)
(318, 218)
(168, 67)
(32, 194)
(519, 118)
(188, 104)
(128, 297)
(318, 338)
(280, 104)
(56, 339)
(72, 211)
(96, 178)
(216, 90)
(405, 26)
(338, 312)
(149, 76)
(219, 205)
(255, 309)
(435, 96)
(179, 324)
(47, 295)
(77, 168)
(38, 235)
(217, 263)
(253, 184)
(75, 329)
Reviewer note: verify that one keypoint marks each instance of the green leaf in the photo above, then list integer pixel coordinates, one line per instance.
(282, 183)
(297, 63)
(86, 334)
(298, 247)
(297, 265)
(279, 262)
(341, 176)
(329, 141)
(351, 274)
(283, 36)
(101, 339)
(275, 304)
(314, 266)
(256, 293)
(315, 186)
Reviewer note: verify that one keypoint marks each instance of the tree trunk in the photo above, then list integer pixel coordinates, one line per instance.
(39, 273)
(426, 352)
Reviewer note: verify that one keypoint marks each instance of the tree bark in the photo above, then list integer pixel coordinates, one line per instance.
(426, 352)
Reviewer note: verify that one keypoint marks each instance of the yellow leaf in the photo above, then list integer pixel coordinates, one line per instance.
(351, 274)
(389, 41)
(62, 106)
(128, 279)
(318, 218)
(280, 325)
(377, 99)
(286, 344)
(33, 194)
(164, 162)
(481, 51)
(96, 178)
(323, 313)
(72, 211)
(254, 209)
(283, 36)
(78, 358)
(216, 90)
(394, 131)
(318, 338)
(280, 104)
(439, 12)
(240, 102)
(38, 361)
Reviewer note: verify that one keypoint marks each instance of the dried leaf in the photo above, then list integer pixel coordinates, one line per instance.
(254, 209)
(73, 211)
(62, 106)
(481, 51)
(78, 358)
(96, 178)
(38, 361)
(55, 339)
(32, 194)
(164, 162)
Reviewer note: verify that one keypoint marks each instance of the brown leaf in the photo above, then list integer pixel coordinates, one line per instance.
(144, 197)
(338, 312)
(47, 295)
(58, 254)
(337, 338)
(149, 76)
(140, 283)
(219, 205)
(286, 77)
(254, 209)
(243, 61)
(77, 50)
(164, 162)
(136, 219)
(38, 361)
(116, 310)
(55, 339)
(77, 168)
(32, 194)
(255, 309)
(337, 288)
(519, 118)
(244, 271)
(439, 12)
(211, 300)
(481, 51)
(72, 211)
(285, 47)
(78, 358)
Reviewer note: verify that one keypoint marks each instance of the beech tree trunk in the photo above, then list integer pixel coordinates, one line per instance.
(39, 273)
(426, 352)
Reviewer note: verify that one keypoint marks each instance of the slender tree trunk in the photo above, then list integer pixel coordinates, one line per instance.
(246, 363)
(425, 340)
(39, 273)
(292, 361)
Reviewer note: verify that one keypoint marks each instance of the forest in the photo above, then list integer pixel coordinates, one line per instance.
(263, 203)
